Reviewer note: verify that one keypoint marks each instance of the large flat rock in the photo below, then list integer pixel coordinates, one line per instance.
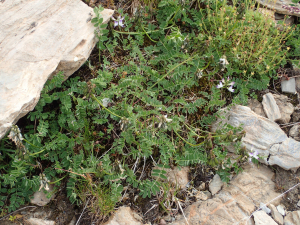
(39, 38)
(263, 136)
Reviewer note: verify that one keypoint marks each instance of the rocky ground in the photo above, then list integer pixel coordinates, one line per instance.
(255, 196)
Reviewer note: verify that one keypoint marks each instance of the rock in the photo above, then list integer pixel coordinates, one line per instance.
(124, 216)
(236, 202)
(281, 210)
(298, 204)
(263, 136)
(256, 107)
(215, 184)
(292, 218)
(201, 187)
(282, 6)
(286, 108)
(298, 82)
(262, 218)
(265, 208)
(40, 199)
(201, 196)
(162, 222)
(178, 177)
(38, 39)
(270, 107)
(278, 218)
(295, 131)
(288, 86)
(36, 221)
(296, 116)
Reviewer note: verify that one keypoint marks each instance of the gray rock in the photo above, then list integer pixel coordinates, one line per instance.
(281, 210)
(256, 107)
(38, 39)
(263, 136)
(295, 131)
(270, 107)
(288, 86)
(215, 185)
(296, 116)
(286, 108)
(40, 199)
(262, 218)
(298, 204)
(292, 218)
(280, 6)
(276, 215)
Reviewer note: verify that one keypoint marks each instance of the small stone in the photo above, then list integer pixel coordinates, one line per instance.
(298, 83)
(201, 196)
(294, 132)
(262, 218)
(215, 184)
(281, 210)
(36, 221)
(201, 187)
(124, 215)
(276, 215)
(298, 204)
(40, 199)
(265, 208)
(162, 222)
(256, 107)
(288, 86)
(270, 107)
(286, 108)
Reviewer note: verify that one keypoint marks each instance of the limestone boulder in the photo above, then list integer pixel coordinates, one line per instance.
(263, 136)
(38, 39)
(236, 202)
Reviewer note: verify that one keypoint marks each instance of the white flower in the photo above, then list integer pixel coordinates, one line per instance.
(118, 21)
(105, 102)
(167, 120)
(253, 155)
(227, 84)
(230, 89)
(220, 85)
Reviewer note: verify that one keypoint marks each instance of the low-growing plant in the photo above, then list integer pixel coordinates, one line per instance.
(150, 104)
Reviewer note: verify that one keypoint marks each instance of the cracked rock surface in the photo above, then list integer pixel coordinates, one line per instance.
(236, 202)
(38, 39)
(263, 136)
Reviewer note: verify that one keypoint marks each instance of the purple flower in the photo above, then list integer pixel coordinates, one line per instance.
(118, 21)
(253, 155)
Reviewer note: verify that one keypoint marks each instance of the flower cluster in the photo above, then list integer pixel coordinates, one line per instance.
(227, 84)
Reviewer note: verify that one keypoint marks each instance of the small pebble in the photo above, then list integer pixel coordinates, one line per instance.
(281, 210)
(162, 222)
(298, 204)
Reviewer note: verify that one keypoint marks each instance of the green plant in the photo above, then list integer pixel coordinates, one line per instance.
(150, 103)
